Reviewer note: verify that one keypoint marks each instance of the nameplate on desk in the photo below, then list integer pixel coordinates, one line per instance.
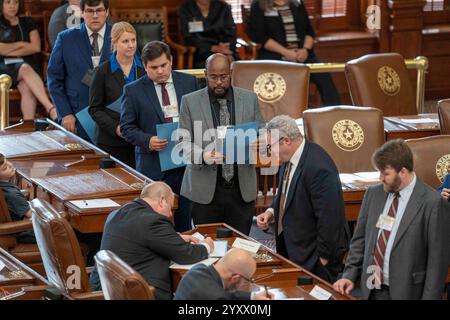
(2, 265)
(206, 262)
(320, 293)
(95, 203)
(247, 245)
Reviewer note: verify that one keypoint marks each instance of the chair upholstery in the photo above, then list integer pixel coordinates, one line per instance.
(119, 281)
(431, 158)
(282, 87)
(444, 115)
(26, 253)
(61, 253)
(349, 134)
(368, 75)
(153, 24)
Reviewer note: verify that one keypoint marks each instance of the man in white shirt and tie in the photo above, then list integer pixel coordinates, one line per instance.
(400, 245)
(308, 210)
(75, 55)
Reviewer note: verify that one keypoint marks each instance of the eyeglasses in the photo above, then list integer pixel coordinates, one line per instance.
(97, 11)
(222, 77)
(252, 280)
(269, 146)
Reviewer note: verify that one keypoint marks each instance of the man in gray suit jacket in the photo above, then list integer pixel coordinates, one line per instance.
(402, 252)
(219, 192)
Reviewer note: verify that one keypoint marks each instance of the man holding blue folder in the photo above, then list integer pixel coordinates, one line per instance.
(220, 191)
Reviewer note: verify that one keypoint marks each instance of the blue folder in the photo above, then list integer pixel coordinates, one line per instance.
(240, 136)
(86, 121)
(115, 106)
(164, 131)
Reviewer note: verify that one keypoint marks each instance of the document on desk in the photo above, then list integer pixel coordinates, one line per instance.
(369, 176)
(320, 293)
(220, 248)
(206, 262)
(250, 246)
(168, 159)
(420, 121)
(95, 203)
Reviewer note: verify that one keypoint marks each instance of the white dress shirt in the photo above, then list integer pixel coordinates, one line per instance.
(405, 194)
(170, 87)
(100, 38)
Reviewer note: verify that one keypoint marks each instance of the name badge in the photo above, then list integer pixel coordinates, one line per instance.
(271, 13)
(13, 60)
(170, 111)
(95, 61)
(221, 132)
(196, 26)
(385, 223)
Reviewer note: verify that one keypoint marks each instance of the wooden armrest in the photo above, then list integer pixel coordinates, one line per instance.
(93, 295)
(9, 228)
(31, 293)
(177, 47)
(25, 193)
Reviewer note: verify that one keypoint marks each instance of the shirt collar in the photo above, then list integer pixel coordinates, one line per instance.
(295, 159)
(101, 32)
(170, 80)
(406, 192)
(116, 66)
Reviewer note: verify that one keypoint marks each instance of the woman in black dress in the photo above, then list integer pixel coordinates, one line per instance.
(111, 76)
(19, 41)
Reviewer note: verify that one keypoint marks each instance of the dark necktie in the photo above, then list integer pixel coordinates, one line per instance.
(165, 100)
(224, 118)
(283, 195)
(95, 50)
(383, 238)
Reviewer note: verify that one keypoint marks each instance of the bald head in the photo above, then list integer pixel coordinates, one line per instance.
(217, 59)
(218, 74)
(156, 190)
(238, 261)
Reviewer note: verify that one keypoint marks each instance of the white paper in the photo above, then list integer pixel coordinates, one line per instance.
(2, 265)
(421, 120)
(207, 262)
(320, 293)
(95, 203)
(372, 175)
(13, 60)
(347, 177)
(199, 236)
(247, 245)
(220, 248)
(292, 299)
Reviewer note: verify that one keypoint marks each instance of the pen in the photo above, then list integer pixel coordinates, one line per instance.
(85, 203)
(267, 292)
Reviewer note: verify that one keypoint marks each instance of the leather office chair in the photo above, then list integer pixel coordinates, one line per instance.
(282, 87)
(27, 253)
(431, 158)
(61, 253)
(250, 48)
(381, 81)
(120, 281)
(349, 134)
(153, 24)
(444, 115)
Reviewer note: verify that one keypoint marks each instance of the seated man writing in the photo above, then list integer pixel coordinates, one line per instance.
(141, 233)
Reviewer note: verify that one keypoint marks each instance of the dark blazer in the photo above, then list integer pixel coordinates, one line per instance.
(262, 27)
(71, 58)
(204, 283)
(419, 258)
(106, 88)
(314, 222)
(141, 112)
(147, 242)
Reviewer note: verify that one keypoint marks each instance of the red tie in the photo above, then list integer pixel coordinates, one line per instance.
(165, 99)
(383, 238)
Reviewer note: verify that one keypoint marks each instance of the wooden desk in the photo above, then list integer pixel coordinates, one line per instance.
(395, 128)
(273, 270)
(17, 275)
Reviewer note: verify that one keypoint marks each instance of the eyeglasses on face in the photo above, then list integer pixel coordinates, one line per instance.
(270, 146)
(222, 77)
(97, 11)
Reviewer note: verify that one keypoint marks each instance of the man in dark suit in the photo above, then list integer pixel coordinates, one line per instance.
(400, 245)
(76, 53)
(222, 281)
(141, 234)
(152, 100)
(308, 210)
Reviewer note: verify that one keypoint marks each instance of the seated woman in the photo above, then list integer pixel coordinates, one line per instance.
(445, 188)
(284, 30)
(209, 26)
(109, 79)
(19, 41)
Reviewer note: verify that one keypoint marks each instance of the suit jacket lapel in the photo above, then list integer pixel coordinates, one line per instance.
(295, 177)
(238, 106)
(150, 91)
(106, 49)
(376, 210)
(205, 106)
(412, 209)
(85, 45)
(179, 88)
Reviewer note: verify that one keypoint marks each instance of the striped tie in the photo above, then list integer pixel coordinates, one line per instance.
(383, 237)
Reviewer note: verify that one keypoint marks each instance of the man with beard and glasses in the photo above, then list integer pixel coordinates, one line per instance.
(220, 192)
(399, 248)
(229, 279)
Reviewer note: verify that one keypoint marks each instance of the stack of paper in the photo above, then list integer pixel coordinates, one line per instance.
(95, 203)
(207, 262)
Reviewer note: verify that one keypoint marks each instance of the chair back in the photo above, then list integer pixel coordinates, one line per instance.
(444, 115)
